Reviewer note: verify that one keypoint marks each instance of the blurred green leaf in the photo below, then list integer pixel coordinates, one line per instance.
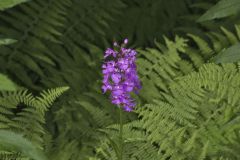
(222, 9)
(4, 4)
(15, 142)
(6, 84)
(44, 58)
(229, 55)
(6, 41)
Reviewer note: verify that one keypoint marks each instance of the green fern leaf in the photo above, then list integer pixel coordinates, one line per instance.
(228, 55)
(15, 142)
(6, 84)
(7, 41)
(222, 9)
(4, 4)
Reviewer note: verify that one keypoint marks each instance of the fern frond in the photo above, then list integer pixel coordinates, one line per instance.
(196, 121)
(20, 113)
(157, 69)
(48, 97)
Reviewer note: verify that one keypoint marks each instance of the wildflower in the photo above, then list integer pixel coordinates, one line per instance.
(120, 75)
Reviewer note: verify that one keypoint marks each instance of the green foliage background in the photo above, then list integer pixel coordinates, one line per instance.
(188, 63)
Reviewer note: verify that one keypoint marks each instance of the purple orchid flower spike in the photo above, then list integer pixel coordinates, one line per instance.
(120, 75)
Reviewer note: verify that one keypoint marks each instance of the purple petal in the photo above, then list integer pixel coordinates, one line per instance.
(116, 78)
(125, 41)
(106, 87)
(128, 109)
(123, 64)
(110, 52)
(116, 101)
(117, 92)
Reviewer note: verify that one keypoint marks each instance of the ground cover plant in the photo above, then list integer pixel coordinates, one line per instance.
(119, 79)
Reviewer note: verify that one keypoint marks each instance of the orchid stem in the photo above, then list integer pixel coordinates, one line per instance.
(120, 134)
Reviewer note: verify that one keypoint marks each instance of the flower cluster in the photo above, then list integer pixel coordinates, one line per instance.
(120, 75)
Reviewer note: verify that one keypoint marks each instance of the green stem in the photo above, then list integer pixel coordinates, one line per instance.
(120, 134)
